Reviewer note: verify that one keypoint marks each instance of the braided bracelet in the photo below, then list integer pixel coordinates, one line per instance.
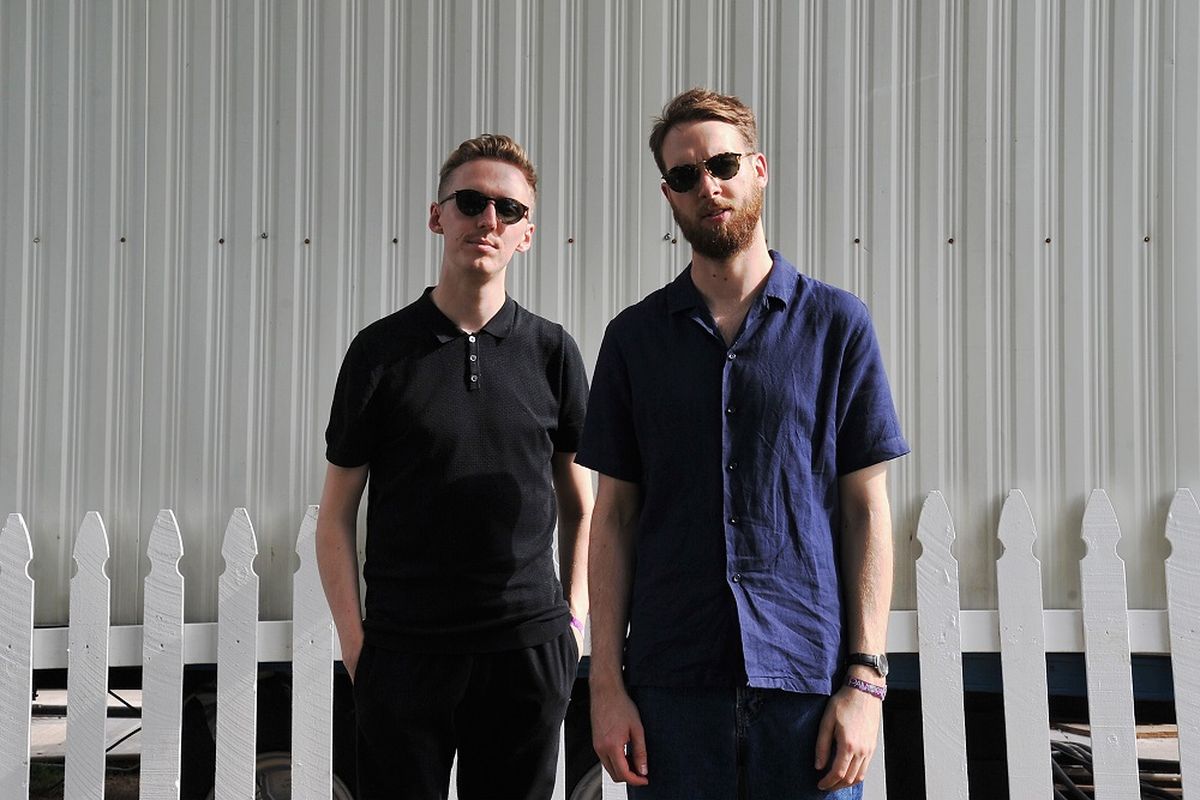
(870, 688)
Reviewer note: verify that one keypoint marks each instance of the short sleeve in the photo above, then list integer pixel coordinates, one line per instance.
(347, 438)
(572, 397)
(609, 443)
(868, 427)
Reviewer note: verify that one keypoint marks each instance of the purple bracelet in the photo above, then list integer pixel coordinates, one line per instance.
(870, 688)
(577, 623)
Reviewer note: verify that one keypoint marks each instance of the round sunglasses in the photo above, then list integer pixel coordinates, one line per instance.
(722, 166)
(472, 203)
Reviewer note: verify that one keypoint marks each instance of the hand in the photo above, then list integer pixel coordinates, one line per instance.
(351, 649)
(616, 723)
(578, 640)
(847, 738)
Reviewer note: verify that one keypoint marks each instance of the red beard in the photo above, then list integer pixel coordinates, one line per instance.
(719, 242)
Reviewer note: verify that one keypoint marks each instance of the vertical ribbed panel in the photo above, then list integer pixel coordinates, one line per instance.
(207, 201)
(1181, 236)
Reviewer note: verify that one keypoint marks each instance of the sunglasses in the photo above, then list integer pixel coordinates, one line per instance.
(472, 203)
(722, 166)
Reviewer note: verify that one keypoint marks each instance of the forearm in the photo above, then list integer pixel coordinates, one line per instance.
(573, 562)
(573, 491)
(867, 566)
(610, 570)
(337, 549)
(337, 562)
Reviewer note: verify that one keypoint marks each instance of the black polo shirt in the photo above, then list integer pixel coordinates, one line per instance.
(458, 431)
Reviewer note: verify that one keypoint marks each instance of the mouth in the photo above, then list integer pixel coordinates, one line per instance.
(716, 214)
(483, 244)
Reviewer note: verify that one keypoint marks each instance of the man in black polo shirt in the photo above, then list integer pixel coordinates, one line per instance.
(465, 411)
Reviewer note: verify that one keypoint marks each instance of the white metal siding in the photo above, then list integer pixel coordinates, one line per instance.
(203, 201)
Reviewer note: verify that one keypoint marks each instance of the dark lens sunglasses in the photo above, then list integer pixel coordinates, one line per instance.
(472, 203)
(722, 166)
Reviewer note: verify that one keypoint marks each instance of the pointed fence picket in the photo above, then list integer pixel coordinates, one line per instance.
(940, 655)
(1023, 654)
(237, 662)
(312, 673)
(162, 664)
(16, 657)
(87, 664)
(938, 631)
(1107, 654)
(1183, 614)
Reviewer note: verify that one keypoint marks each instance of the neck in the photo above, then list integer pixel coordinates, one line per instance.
(732, 280)
(469, 304)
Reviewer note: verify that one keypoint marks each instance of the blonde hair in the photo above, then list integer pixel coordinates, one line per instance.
(494, 146)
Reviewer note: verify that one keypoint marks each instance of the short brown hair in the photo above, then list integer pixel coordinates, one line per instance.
(494, 146)
(698, 104)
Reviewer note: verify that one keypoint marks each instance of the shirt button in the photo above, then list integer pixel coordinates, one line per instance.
(733, 520)
(470, 338)
(731, 466)
(474, 378)
(730, 410)
(731, 355)
(737, 577)
(474, 357)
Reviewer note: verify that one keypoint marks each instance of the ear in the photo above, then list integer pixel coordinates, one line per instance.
(666, 190)
(760, 168)
(435, 218)
(526, 240)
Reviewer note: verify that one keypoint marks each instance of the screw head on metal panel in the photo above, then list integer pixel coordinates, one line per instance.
(122, 240)
(307, 240)
(666, 237)
(221, 240)
(37, 239)
(570, 240)
(857, 240)
(1047, 240)
(395, 241)
(1146, 239)
(950, 240)
(263, 235)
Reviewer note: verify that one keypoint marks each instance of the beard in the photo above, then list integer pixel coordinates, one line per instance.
(728, 239)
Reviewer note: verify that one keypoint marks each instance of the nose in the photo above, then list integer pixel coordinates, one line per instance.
(708, 185)
(487, 217)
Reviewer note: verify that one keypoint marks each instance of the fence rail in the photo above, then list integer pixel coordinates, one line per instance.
(938, 631)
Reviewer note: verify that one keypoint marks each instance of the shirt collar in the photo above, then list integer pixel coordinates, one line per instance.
(499, 326)
(779, 290)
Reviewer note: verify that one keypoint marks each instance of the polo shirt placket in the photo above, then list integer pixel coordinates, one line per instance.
(473, 379)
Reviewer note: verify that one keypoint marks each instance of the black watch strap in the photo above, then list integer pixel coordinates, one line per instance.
(878, 663)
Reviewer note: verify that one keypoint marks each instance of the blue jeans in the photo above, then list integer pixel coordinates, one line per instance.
(731, 744)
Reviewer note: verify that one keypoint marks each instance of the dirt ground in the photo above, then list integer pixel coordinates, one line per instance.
(46, 781)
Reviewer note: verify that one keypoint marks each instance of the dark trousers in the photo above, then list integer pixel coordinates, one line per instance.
(502, 713)
(731, 744)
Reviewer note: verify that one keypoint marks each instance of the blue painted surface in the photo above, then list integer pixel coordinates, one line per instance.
(1066, 674)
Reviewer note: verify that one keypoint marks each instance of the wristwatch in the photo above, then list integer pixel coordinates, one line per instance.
(879, 663)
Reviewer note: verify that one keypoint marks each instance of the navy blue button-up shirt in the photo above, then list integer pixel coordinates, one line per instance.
(738, 450)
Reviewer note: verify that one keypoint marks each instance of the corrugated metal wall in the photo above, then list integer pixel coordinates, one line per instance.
(203, 201)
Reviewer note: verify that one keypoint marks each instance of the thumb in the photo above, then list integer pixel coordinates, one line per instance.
(637, 751)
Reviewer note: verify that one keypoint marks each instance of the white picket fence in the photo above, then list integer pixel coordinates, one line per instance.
(1105, 630)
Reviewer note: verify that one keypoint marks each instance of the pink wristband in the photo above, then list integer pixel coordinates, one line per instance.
(870, 688)
(577, 623)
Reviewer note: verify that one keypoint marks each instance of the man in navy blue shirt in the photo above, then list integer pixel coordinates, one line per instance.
(741, 563)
